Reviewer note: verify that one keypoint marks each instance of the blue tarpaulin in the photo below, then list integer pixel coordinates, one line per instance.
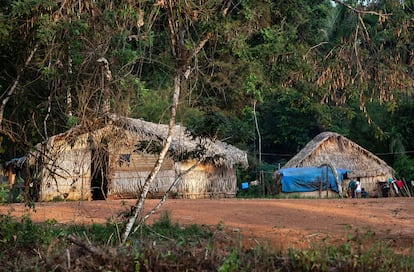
(308, 179)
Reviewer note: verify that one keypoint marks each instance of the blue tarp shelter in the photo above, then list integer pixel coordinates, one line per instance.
(308, 179)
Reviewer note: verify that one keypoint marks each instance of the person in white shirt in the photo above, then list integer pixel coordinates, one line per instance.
(358, 188)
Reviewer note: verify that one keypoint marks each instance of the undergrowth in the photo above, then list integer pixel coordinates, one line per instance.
(164, 246)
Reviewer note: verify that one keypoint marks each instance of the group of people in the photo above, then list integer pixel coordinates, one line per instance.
(397, 187)
(355, 190)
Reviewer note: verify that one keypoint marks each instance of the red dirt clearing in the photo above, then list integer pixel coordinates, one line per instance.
(280, 223)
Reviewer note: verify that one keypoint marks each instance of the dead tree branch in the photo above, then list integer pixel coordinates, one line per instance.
(360, 11)
(15, 83)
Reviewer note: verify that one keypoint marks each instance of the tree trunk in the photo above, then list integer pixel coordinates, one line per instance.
(259, 136)
(15, 83)
(180, 71)
(140, 202)
(164, 198)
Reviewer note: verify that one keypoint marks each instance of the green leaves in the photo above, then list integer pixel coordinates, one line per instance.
(26, 8)
(310, 65)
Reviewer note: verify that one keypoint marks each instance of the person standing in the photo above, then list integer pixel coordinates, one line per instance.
(358, 188)
(352, 187)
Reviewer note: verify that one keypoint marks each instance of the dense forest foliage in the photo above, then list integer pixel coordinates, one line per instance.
(271, 75)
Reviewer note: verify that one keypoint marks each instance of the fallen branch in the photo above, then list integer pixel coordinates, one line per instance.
(89, 247)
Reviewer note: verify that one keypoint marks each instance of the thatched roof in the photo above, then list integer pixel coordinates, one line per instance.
(216, 152)
(330, 147)
(183, 145)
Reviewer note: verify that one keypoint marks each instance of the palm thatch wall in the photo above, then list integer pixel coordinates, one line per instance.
(114, 162)
(337, 150)
(65, 168)
(206, 181)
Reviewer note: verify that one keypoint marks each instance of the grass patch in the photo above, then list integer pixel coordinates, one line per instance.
(165, 246)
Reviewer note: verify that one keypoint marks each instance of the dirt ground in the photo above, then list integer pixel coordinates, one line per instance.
(280, 223)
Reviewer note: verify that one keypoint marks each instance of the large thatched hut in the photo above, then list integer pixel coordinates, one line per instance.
(114, 161)
(341, 153)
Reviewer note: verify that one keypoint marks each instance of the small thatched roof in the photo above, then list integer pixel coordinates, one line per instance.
(216, 152)
(333, 148)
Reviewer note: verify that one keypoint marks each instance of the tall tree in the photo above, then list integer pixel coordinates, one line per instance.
(180, 17)
(84, 66)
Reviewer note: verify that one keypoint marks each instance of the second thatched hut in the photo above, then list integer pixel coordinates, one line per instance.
(340, 152)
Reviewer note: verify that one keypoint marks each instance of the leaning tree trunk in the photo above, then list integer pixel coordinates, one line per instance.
(182, 71)
(15, 83)
(164, 198)
(140, 201)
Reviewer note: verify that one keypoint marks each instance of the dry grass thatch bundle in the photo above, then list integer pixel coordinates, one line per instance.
(333, 148)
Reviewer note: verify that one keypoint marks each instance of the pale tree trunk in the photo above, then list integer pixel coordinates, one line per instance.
(49, 108)
(164, 197)
(105, 81)
(181, 71)
(15, 83)
(68, 91)
(256, 124)
(140, 202)
(259, 136)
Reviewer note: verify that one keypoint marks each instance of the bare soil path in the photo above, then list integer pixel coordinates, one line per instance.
(281, 223)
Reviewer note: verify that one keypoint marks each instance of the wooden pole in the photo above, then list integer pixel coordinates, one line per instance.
(327, 181)
(320, 187)
(406, 190)
(335, 174)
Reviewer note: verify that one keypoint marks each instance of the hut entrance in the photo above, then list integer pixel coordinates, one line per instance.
(99, 167)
